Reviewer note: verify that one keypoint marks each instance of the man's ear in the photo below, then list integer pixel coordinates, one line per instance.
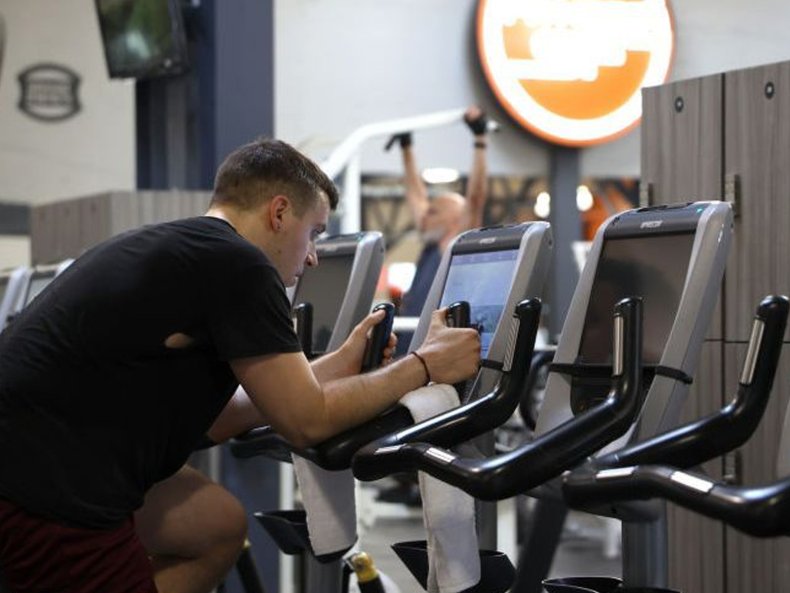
(277, 207)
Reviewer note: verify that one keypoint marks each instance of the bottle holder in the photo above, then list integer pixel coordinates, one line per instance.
(497, 573)
(288, 529)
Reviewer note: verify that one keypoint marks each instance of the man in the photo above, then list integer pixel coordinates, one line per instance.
(111, 377)
(440, 219)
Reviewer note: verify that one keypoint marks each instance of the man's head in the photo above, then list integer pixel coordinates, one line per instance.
(443, 219)
(277, 199)
(260, 170)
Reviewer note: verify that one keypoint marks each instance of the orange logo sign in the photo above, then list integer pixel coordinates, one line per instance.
(571, 71)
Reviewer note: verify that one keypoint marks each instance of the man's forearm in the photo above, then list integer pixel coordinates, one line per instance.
(477, 188)
(416, 192)
(354, 400)
(331, 366)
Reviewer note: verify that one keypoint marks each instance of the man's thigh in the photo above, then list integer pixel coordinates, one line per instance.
(187, 514)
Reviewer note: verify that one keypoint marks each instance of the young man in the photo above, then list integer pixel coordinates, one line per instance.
(110, 378)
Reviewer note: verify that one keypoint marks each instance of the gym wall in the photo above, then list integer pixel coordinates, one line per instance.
(89, 151)
(344, 63)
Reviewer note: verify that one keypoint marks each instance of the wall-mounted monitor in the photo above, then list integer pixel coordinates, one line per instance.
(142, 38)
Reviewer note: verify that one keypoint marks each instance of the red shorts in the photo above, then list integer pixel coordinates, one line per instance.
(38, 555)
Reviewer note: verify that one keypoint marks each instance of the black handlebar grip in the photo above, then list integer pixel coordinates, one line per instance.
(303, 325)
(459, 314)
(379, 337)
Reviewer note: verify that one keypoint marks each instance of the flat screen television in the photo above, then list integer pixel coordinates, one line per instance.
(324, 287)
(142, 38)
(483, 280)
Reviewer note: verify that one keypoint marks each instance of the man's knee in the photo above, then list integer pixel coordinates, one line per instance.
(233, 525)
(190, 516)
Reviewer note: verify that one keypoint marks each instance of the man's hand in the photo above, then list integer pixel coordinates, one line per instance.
(404, 139)
(353, 349)
(476, 119)
(451, 354)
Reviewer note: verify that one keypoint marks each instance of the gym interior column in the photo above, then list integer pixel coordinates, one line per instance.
(566, 228)
(548, 517)
(185, 128)
(187, 124)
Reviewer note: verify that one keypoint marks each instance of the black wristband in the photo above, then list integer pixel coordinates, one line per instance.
(480, 144)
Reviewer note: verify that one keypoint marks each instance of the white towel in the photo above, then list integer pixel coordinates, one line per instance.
(448, 512)
(328, 499)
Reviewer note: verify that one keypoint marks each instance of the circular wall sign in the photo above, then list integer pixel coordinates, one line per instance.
(571, 71)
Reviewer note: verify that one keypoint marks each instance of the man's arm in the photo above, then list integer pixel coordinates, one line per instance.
(287, 393)
(416, 191)
(477, 186)
(241, 415)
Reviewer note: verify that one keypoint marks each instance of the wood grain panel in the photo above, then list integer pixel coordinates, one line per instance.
(757, 149)
(696, 544)
(759, 564)
(682, 148)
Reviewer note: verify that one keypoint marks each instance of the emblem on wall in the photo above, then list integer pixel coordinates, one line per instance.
(571, 71)
(49, 92)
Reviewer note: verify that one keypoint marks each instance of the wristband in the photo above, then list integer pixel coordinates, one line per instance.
(424, 365)
(480, 144)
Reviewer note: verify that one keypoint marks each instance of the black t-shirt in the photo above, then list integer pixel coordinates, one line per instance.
(94, 408)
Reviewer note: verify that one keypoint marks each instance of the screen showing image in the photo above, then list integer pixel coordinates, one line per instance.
(37, 284)
(324, 287)
(653, 268)
(483, 280)
(141, 37)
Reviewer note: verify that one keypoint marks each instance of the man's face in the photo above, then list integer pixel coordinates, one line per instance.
(441, 218)
(297, 245)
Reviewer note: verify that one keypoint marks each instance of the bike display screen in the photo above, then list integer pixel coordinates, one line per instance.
(483, 280)
(651, 267)
(324, 287)
(37, 284)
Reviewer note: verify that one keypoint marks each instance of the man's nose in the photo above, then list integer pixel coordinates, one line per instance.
(312, 257)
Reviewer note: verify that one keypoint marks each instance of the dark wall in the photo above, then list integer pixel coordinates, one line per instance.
(187, 124)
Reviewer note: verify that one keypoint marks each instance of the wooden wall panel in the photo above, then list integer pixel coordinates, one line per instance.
(67, 228)
(759, 564)
(757, 149)
(696, 544)
(682, 154)
(682, 146)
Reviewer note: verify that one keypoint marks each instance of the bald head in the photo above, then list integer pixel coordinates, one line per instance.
(443, 219)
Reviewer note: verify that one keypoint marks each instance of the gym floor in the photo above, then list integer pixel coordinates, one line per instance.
(583, 548)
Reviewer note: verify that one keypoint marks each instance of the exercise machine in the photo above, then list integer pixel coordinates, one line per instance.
(492, 269)
(11, 284)
(622, 483)
(670, 257)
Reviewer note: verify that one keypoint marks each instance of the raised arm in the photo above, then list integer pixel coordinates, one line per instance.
(477, 186)
(416, 191)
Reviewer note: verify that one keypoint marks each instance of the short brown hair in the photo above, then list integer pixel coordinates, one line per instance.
(265, 168)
